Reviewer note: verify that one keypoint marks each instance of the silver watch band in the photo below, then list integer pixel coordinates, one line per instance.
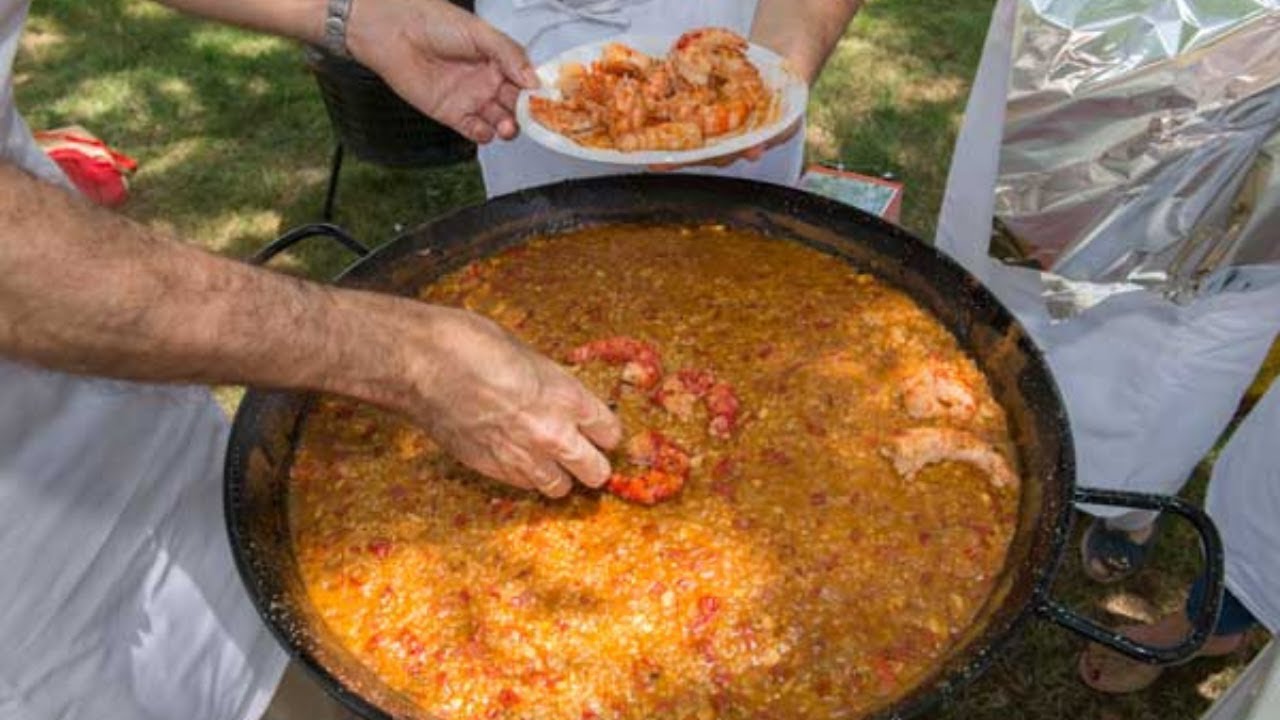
(335, 28)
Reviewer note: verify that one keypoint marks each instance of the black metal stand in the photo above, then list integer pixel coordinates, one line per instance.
(335, 169)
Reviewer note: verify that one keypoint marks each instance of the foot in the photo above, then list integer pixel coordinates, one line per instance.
(1107, 671)
(1110, 555)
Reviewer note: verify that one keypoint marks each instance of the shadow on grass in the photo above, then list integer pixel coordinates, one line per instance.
(229, 129)
(893, 92)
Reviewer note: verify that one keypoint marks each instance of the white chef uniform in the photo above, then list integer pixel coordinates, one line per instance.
(547, 28)
(119, 599)
(1149, 385)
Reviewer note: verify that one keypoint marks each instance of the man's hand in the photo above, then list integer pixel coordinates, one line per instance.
(84, 290)
(501, 408)
(447, 62)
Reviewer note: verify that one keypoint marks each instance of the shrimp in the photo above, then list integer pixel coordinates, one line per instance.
(627, 110)
(664, 136)
(641, 365)
(659, 83)
(938, 391)
(664, 468)
(564, 117)
(682, 105)
(912, 450)
(618, 59)
(591, 88)
(698, 54)
(680, 393)
(705, 87)
(723, 404)
(572, 77)
(716, 58)
(741, 80)
(722, 117)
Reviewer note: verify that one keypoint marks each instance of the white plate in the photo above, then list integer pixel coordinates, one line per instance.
(793, 93)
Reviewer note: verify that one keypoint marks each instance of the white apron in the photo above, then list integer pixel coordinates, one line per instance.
(1244, 501)
(1149, 385)
(548, 27)
(120, 601)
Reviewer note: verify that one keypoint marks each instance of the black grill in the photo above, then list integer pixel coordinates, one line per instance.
(375, 124)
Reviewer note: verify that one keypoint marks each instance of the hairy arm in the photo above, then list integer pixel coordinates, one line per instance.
(803, 31)
(298, 19)
(87, 291)
(445, 61)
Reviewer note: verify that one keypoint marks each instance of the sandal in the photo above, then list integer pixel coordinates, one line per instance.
(1108, 671)
(1110, 555)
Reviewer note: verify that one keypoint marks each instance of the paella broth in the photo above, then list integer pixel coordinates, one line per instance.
(797, 574)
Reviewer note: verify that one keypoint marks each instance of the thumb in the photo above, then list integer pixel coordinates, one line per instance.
(510, 57)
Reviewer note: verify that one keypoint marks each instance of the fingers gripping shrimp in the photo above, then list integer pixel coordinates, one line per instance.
(664, 468)
(641, 365)
(912, 450)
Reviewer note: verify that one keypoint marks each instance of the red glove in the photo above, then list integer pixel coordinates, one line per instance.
(99, 172)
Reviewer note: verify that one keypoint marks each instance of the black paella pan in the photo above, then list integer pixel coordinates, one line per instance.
(267, 424)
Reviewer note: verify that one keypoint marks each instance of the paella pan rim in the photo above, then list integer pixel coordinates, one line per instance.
(932, 279)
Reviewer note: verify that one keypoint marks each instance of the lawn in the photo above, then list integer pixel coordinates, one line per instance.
(234, 146)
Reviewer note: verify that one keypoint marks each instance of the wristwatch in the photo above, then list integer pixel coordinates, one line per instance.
(335, 28)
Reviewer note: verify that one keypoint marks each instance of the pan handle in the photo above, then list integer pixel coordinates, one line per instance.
(298, 234)
(1201, 625)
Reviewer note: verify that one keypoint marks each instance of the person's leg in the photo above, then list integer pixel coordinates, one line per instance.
(1149, 388)
(1109, 672)
(1244, 502)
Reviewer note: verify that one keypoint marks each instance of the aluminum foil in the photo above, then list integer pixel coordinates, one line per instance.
(1142, 146)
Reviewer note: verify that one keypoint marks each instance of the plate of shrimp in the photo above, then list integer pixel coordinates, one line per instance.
(651, 100)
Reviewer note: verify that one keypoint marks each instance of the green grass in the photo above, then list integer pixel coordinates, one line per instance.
(234, 147)
(893, 93)
(230, 134)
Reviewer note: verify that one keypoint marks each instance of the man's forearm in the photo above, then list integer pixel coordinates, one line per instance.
(85, 290)
(803, 31)
(299, 19)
